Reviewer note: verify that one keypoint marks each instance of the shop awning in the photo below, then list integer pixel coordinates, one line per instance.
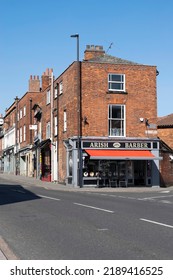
(122, 154)
(44, 143)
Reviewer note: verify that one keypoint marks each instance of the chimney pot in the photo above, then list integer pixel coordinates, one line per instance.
(93, 51)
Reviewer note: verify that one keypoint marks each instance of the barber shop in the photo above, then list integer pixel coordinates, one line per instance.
(107, 163)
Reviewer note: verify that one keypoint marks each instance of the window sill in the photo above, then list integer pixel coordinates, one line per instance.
(116, 92)
(116, 136)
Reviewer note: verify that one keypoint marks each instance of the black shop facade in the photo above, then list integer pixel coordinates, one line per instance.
(101, 162)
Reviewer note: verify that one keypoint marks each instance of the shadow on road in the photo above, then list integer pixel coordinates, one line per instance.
(14, 194)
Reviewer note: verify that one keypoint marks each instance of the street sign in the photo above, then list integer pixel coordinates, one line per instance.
(33, 126)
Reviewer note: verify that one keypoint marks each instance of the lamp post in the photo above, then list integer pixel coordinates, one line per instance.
(77, 40)
(79, 112)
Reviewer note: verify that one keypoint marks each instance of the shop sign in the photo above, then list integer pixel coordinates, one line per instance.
(33, 126)
(115, 145)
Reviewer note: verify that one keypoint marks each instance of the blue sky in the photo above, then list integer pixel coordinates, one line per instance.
(35, 35)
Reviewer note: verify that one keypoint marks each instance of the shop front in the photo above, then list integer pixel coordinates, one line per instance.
(122, 163)
(44, 156)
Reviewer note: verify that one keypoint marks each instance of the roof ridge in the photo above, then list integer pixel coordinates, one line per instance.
(106, 58)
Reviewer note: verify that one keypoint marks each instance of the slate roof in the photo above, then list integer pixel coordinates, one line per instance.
(166, 121)
(111, 59)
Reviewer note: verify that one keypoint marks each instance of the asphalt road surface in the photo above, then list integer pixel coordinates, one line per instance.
(38, 223)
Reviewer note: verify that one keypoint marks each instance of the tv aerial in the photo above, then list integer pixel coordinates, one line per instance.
(110, 46)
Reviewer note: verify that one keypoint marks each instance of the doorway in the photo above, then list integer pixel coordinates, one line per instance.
(139, 173)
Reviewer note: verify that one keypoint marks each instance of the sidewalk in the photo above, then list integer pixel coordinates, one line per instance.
(5, 252)
(30, 181)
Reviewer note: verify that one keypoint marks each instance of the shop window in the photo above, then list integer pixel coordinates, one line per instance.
(117, 120)
(116, 82)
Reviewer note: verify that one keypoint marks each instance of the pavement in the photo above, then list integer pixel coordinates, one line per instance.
(31, 181)
(5, 252)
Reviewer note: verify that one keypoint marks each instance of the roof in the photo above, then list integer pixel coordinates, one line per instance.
(166, 121)
(111, 59)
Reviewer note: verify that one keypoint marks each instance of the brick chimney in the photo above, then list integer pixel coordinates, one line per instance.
(34, 84)
(46, 78)
(93, 52)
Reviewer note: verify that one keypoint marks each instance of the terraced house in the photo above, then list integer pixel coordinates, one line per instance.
(93, 125)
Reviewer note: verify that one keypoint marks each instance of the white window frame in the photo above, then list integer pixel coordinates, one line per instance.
(20, 113)
(115, 83)
(55, 126)
(65, 120)
(55, 92)
(60, 88)
(48, 130)
(21, 137)
(18, 136)
(24, 111)
(24, 132)
(120, 130)
(48, 97)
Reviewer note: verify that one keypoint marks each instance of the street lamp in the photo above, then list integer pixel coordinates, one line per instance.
(77, 38)
(79, 112)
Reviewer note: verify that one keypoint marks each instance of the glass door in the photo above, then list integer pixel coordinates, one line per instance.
(139, 172)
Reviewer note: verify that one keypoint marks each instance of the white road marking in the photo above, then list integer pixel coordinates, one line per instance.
(48, 197)
(166, 201)
(154, 197)
(157, 223)
(165, 192)
(92, 207)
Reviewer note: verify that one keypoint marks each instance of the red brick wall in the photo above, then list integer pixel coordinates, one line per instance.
(166, 170)
(67, 101)
(140, 99)
(166, 134)
(25, 120)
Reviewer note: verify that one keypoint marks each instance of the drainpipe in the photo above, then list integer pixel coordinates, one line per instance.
(16, 136)
(51, 128)
(30, 138)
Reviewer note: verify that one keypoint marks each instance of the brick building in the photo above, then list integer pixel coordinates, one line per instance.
(104, 104)
(165, 133)
(18, 152)
(90, 124)
(9, 139)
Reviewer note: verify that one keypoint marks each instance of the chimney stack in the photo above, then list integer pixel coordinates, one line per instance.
(46, 78)
(34, 84)
(93, 52)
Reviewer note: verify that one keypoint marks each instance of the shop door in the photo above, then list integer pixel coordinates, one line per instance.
(120, 170)
(139, 172)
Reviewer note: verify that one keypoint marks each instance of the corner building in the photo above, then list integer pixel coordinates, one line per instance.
(107, 108)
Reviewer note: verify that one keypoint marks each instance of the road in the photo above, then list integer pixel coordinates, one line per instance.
(38, 223)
